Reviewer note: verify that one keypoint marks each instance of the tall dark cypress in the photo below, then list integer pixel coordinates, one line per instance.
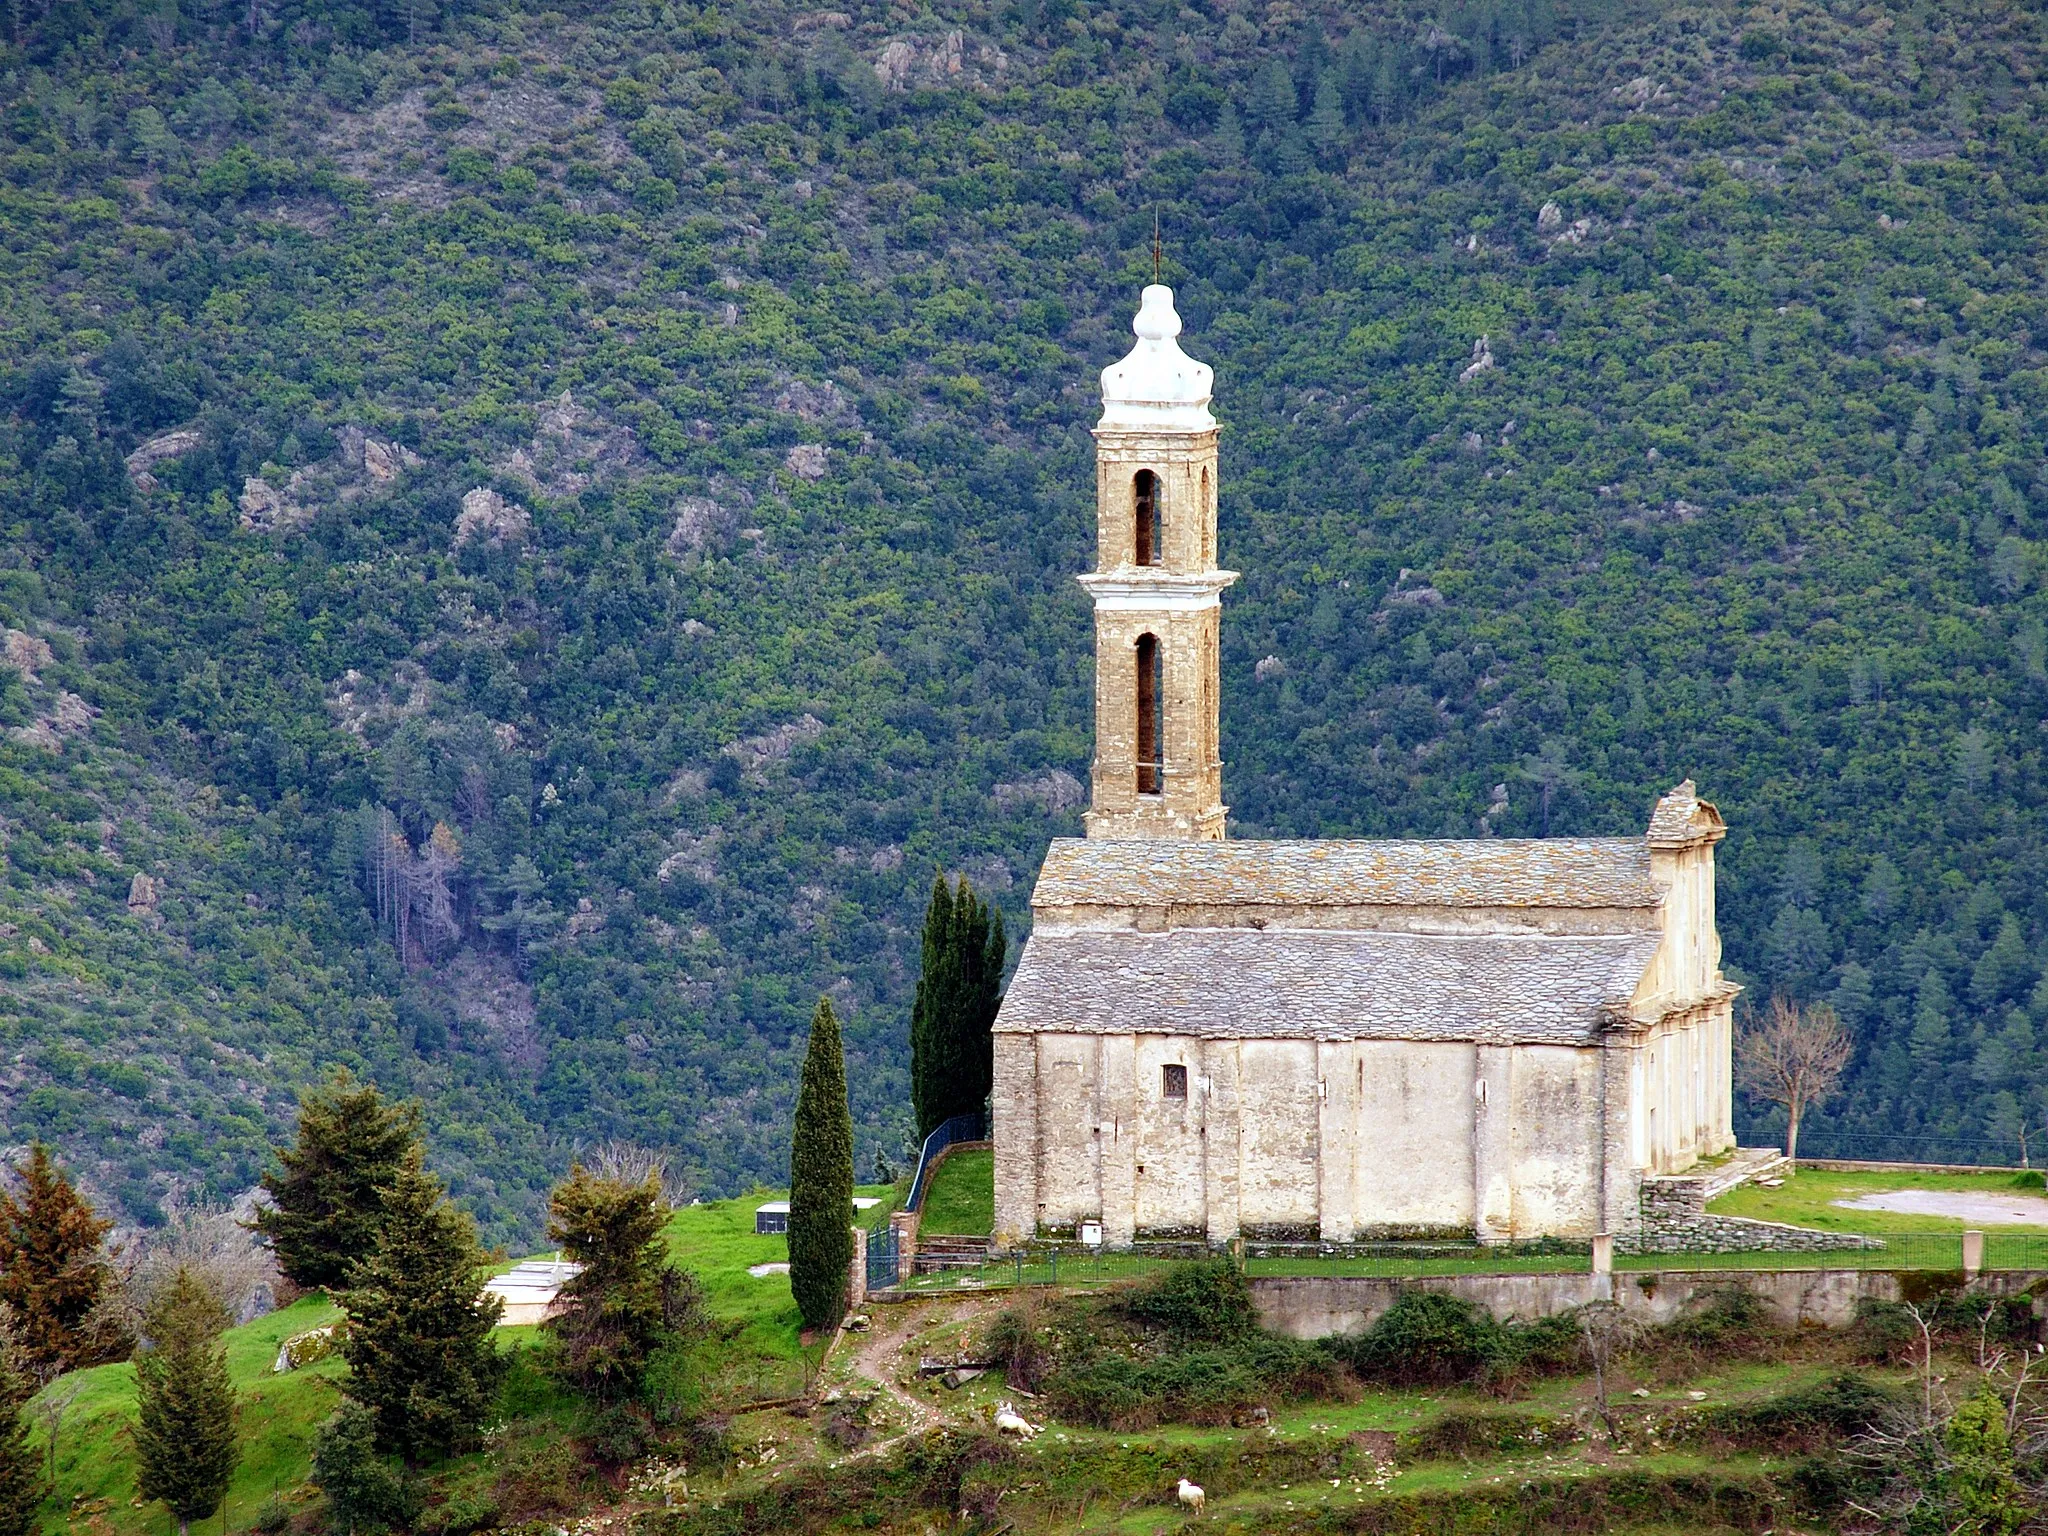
(935, 987)
(952, 1052)
(821, 1177)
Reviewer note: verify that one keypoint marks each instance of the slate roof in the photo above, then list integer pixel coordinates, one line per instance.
(1225, 983)
(1582, 872)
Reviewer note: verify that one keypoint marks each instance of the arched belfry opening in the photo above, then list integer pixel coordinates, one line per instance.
(1146, 502)
(1151, 715)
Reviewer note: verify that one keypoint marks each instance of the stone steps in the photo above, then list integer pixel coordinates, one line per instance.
(939, 1253)
(1747, 1164)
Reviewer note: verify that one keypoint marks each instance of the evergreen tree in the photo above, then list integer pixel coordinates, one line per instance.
(821, 1177)
(328, 1196)
(52, 1271)
(185, 1433)
(21, 1466)
(959, 988)
(419, 1325)
(628, 1300)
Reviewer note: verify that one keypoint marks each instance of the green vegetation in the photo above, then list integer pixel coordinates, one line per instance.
(959, 988)
(185, 1432)
(960, 1198)
(418, 1341)
(328, 1192)
(556, 808)
(821, 1178)
(21, 1467)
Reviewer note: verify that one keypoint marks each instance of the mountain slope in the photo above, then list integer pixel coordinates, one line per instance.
(610, 482)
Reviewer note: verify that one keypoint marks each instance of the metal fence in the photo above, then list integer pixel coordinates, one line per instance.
(960, 1128)
(1072, 1266)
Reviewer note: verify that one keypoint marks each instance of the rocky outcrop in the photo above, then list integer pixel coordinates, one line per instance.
(490, 517)
(1482, 360)
(160, 449)
(911, 63)
(807, 461)
(1053, 792)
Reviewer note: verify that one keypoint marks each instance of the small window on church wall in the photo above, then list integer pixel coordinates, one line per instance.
(1151, 707)
(1174, 1082)
(1147, 502)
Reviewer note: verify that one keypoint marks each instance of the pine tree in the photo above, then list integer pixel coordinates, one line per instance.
(821, 1178)
(21, 1465)
(185, 1433)
(328, 1201)
(419, 1325)
(959, 988)
(628, 1300)
(52, 1271)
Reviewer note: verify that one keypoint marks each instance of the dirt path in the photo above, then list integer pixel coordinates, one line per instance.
(888, 1352)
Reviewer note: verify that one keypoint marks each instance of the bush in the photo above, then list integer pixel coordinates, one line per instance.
(1429, 1339)
(1210, 1299)
(365, 1491)
(1725, 1322)
(272, 1516)
(1807, 1419)
(2030, 1178)
(1196, 1386)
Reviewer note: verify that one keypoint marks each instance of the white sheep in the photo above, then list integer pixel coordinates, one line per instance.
(1010, 1422)
(1192, 1496)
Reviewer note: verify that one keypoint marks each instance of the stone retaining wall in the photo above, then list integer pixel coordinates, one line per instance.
(1675, 1220)
(1316, 1306)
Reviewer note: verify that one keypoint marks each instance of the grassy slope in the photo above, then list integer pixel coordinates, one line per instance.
(757, 1354)
(962, 1197)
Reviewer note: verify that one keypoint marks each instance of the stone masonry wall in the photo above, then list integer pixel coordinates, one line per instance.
(1675, 1220)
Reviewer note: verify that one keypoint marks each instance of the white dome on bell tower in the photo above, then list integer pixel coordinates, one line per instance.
(1157, 387)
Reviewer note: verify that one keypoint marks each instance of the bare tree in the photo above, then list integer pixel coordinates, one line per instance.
(1794, 1057)
(633, 1165)
(209, 1243)
(1606, 1331)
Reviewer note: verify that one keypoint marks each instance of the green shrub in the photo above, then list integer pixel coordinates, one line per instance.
(1195, 1386)
(1208, 1300)
(1429, 1339)
(272, 1516)
(2030, 1178)
(365, 1491)
(1804, 1420)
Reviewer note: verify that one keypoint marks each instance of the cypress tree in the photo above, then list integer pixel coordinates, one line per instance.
(419, 1324)
(821, 1177)
(185, 1432)
(21, 1466)
(959, 988)
(327, 1193)
(52, 1272)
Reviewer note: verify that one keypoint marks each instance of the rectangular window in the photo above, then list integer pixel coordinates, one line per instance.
(1174, 1081)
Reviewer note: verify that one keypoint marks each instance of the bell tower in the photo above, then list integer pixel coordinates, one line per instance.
(1157, 589)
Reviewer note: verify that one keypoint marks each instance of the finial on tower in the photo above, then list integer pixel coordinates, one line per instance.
(1157, 386)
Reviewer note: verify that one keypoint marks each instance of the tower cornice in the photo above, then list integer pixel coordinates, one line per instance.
(1137, 587)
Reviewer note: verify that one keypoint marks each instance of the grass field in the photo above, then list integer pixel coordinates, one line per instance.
(961, 1200)
(1807, 1199)
(756, 1353)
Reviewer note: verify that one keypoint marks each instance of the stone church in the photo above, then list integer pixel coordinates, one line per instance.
(1331, 1040)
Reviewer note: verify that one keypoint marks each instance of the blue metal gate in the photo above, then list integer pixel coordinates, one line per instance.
(882, 1257)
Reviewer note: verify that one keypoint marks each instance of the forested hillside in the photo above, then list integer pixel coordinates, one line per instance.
(530, 535)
